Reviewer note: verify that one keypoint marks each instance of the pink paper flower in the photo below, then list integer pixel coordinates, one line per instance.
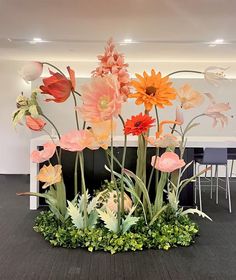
(112, 62)
(48, 151)
(77, 140)
(168, 162)
(179, 116)
(31, 71)
(101, 99)
(216, 111)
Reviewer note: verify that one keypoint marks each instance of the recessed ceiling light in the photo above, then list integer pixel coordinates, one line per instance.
(128, 41)
(212, 45)
(37, 40)
(219, 41)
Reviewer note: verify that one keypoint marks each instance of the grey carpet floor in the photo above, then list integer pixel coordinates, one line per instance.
(25, 255)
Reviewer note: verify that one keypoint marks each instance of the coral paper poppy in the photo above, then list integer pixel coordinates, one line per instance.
(189, 98)
(167, 162)
(48, 151)
(138, 124)
(35, 124)
(153, 90)
(58, 86)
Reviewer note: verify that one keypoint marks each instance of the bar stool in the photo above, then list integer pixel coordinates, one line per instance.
(213, 157)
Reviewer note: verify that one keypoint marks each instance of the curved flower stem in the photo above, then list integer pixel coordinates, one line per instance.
(53, 66)
(84, 192)
(58, 134)
(185, 71)
(157, 153)
(77, 92)
(58, 158)
(76, 174)
(76, 113)
(84, 125)
(123, 166)
(113, 178)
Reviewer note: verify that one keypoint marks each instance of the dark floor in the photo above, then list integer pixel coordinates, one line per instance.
(25, 255)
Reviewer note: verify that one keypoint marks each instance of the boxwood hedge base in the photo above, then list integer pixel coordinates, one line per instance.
(169, 231)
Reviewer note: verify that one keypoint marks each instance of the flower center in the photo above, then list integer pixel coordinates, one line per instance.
(151, 90)
(137, 124)
(104, 103)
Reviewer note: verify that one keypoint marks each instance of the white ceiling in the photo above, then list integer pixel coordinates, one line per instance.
(165, 30)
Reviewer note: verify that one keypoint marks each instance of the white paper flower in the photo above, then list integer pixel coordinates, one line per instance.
(31, 71)
(214, 75)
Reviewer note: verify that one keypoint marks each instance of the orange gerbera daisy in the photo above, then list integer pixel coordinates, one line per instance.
(153, 90)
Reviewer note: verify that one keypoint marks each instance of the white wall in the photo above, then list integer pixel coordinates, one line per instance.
(14, 144)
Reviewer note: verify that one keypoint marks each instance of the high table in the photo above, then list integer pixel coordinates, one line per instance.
(192, 142)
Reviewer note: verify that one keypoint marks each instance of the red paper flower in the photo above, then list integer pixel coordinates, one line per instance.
(35, 124)
(58, 86)
(138, 124)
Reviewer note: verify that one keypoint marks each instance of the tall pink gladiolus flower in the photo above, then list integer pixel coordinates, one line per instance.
(168, 162)
(101, 99)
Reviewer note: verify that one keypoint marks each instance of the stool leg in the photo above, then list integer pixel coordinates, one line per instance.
(217, 185)
(232, 167)
(211, 181)
(199, 190)
(228, 188)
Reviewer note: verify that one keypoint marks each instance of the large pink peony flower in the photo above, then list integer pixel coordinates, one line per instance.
(112, 62)
(77, 140)
(48, 151)
(101, 99)
(168, 162)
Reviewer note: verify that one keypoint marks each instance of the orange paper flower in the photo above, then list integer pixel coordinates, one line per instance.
(153, 90)
(138, 124)
(50, 175)
(35, 124)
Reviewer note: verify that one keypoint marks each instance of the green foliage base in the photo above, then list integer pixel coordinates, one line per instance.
(168, 231)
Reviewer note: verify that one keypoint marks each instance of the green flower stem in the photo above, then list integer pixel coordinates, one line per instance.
(76, 113)
(76, 174)
(114, 180)
(53, 66)
(58, 157)
(84, 192)
(57, 132)
(159, 191)
(123, 166)
(185, 71)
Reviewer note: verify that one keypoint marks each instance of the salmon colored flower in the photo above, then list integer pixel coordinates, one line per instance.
(167, 162)
(101, 132)
(112, 62)
(31, 71)
(189, 98)
(138, 124)
(101, 99)
(161, 126)
(48, 151)
(77, 140)
(58, 86)
(216, 111)
(50, 175)
(153, 90)
(35, 124)
(167, 140)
